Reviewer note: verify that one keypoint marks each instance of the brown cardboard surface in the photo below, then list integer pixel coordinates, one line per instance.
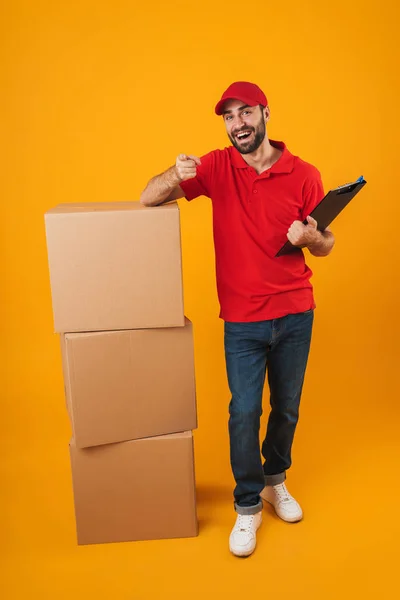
(124, 385)
(114, 266)
(136, 490)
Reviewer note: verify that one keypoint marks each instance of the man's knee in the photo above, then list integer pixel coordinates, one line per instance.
(246, 413)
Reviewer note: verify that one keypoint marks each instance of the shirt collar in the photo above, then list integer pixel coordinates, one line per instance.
(284, 164)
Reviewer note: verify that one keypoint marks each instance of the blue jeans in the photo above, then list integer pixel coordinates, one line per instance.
(282, 345)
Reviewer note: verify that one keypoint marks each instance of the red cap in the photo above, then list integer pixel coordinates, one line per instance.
(249, 93)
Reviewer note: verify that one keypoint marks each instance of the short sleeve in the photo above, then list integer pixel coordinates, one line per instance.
(201, 184)
(313, 194)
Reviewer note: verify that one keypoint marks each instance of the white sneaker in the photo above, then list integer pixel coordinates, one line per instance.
(284, 504)
(242, 540)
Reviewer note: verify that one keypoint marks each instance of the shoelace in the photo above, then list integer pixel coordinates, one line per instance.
(282, 492)
(244, 522)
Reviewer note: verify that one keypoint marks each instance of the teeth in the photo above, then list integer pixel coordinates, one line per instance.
(242, 134)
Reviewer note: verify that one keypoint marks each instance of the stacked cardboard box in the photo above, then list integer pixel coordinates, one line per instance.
(127, 355)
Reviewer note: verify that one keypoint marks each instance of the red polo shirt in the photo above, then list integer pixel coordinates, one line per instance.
(251, 216)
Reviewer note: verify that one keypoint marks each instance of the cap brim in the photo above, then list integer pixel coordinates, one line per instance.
(219, 109)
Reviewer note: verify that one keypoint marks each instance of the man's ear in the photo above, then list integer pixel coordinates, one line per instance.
(266, 113)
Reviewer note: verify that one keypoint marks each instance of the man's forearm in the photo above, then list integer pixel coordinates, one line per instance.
(160, 187)
(323, 245)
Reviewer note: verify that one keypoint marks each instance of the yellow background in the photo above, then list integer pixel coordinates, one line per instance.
(96, 97)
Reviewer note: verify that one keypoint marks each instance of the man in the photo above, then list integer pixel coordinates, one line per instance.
(261, 194)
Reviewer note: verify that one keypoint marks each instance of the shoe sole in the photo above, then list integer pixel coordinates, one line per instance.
(244, 554)
(290, 520)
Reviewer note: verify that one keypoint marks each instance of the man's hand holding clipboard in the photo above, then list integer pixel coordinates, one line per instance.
(304, 233)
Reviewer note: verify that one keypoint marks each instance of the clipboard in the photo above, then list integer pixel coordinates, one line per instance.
(328, 209)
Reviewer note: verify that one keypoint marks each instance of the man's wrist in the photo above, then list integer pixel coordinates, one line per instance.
(318, 239)
(175, 178)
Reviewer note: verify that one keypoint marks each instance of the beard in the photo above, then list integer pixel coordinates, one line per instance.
(255, 141)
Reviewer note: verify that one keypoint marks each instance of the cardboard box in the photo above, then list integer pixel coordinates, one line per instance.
(115, 266)
(136, 490)
(124, 385)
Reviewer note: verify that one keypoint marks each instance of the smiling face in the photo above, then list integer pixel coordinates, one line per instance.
(245, 125)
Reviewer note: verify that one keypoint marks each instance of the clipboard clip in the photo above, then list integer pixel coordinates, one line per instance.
(349, 187)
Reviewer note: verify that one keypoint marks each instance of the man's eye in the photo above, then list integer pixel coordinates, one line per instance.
(246, 112)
